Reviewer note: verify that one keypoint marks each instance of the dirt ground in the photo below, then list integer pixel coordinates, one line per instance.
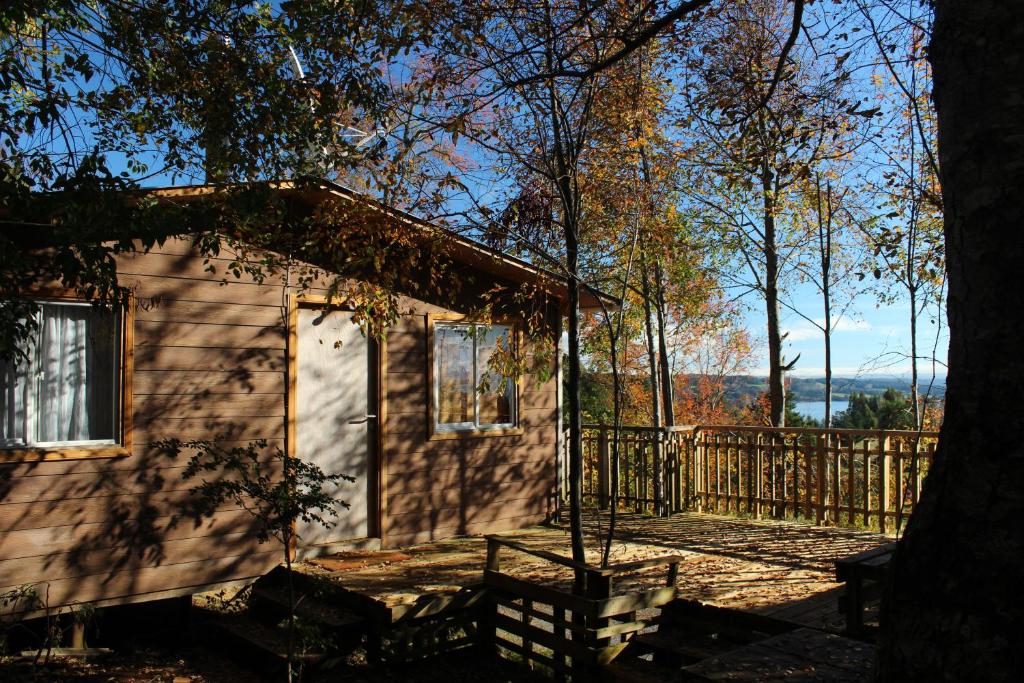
(197, 664)
(159, 649)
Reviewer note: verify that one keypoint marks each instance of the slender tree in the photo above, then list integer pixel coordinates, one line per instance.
(903, 178)
(759, 149)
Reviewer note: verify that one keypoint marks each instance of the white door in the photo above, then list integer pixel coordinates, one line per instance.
(334, 418)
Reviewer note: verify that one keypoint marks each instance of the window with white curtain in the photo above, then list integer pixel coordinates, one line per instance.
(469, 393)
(64, 389)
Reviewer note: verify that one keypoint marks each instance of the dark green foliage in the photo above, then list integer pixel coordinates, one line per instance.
(274, 488)
(98, 98)
(17, 599)
(891, 410)
(596, 397)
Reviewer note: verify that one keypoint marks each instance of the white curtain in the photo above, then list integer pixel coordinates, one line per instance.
(75, 374)
(65, 389)
(14, 382)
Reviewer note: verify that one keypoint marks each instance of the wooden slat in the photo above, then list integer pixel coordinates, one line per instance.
(224, 312)
(837, 479)
(88, 560)
(139, 582)
(153, 409)
(866, 483)
(519, 587)
(208, 428)
(470, 496)
(208, 334)
(180, 382)
(624, 604)
(540, 467)
(117, 511)
(201, 289)
(549, 640)
(90, 484)
(499, 523)
(54, 540)
(463, 518)
(810, 484)
(216, 358)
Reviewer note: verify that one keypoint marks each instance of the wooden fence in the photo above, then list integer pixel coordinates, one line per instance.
(570, 633)
(845, 477)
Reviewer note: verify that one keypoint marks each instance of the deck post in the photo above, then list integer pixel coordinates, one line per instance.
(822, 478)
(883, 481)
(915, 479)
(599, 587)
(758, 475)
(700, 474)
(486, 623)
(604, 458)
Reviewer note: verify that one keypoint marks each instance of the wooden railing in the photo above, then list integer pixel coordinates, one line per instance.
(568, 632)
(638, 467)
(845, 477)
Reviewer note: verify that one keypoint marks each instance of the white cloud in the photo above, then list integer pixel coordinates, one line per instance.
(850, 325)
(804, 330)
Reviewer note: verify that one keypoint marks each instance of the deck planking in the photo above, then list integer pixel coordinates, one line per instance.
(777, 569)
(803, 655)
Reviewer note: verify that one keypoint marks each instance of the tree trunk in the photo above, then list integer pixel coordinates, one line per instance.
(613, 510)
(291, 603)
(776, 388)
(652, 359)
(955, 600)
(827, 424)
(825, 247)
(575, 445)
(668, 410)
(915, 406)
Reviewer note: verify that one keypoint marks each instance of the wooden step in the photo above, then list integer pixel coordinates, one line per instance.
(736, 625)
(270, 602)
(627, 669)
(677, 649)
(325, 591)
(256, 645)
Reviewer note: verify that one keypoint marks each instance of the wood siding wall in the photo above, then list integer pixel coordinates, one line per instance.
(472, 485)
(211, 360)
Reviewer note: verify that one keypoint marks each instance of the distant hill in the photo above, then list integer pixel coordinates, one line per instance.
(744, 387)
(813, 389)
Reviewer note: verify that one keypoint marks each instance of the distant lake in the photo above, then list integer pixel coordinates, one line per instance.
(816, 409)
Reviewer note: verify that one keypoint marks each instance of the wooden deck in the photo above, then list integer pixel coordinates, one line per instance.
(777, 569)
(803, 655)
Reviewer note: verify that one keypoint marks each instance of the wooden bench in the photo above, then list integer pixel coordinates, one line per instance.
(865, 576)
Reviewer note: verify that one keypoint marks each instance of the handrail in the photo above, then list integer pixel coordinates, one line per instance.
(854, 477)
(578, 630)
(841, 431)
(610, 570)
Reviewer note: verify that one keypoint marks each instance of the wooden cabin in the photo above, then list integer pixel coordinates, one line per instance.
(91, 512)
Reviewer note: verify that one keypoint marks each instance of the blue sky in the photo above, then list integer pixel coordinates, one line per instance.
(872, 340)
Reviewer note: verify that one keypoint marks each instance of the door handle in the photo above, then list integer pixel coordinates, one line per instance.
(363, 419)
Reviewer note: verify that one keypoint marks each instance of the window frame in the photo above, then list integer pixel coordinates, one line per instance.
(465, 429)
(121, 445)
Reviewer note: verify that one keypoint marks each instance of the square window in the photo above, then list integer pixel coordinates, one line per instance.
(65, 389)
(471, 389)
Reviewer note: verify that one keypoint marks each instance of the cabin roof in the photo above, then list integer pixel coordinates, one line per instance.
(463, 249)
